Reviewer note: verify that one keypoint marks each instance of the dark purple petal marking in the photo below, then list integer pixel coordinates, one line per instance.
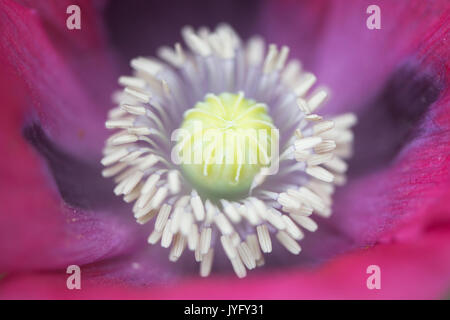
(392, 119)
(79, 182)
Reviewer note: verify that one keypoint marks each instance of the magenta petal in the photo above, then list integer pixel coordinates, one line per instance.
(406, 187)
(413, 188)
(418, 270)
(84, 51)
(58, 97)
(42, 87)
(37, 229)
(356, 63)
(333, 41)
(70, 118)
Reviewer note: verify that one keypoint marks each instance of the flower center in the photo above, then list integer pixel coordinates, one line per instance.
(223, 182)
(223, 143)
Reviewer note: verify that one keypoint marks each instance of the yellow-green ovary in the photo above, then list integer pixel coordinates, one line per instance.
(223, 142)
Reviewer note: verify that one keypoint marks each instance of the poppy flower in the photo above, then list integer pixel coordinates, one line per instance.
(58, 210)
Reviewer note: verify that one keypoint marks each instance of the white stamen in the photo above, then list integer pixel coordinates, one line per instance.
(322, 127)
(133, 195)
(140, 96)
(129, 138)
(142, 212)
(255, 50)
(150, 183)
(114, 157)
(122, 123)
(253, 244)
(264, 238)
(270, 59)
(336, 165)
(116, 113)
(132, 182)
(230, 211)
(112, 171)
(246, 255)
(205, 240)
(291, 72)
(132, 82)
(159, 197)
(197, 207)
(144, 198)
(162, 217)
(228, 247)
(307, 143)
(306, 82)
(320, 173)
(290, 244)
(259, 206)
(313, 118)
(275, 218)
(303, 105)
(195, 43)
(174, 181)
(325, 146)
(317, 99)
(186, 223)
(292, 229)
(318, 159)
(154, 237)
(345, 121)
(282, 57)
(305, 222)
(238, 267)
(206, 264)
(147, 217)
(287, 201)
(307, 196)
(193, 237)
(149, 66)
(148, 162)
(210, 211)
(249, 213)
(179, 243)
(176, 219)
(167, 235)
(223, 224)
(304, 210)
(135, 110)
(132, 156)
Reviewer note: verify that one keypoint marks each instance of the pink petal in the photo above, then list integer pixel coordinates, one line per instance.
(417, 270)
(333, 41)
(37, 228)
(85, 51)
(58, 99)
(393, 179)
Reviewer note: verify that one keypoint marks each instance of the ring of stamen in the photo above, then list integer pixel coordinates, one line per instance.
(229, 85)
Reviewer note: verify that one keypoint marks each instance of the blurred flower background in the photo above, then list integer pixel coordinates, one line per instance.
(56, 209)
